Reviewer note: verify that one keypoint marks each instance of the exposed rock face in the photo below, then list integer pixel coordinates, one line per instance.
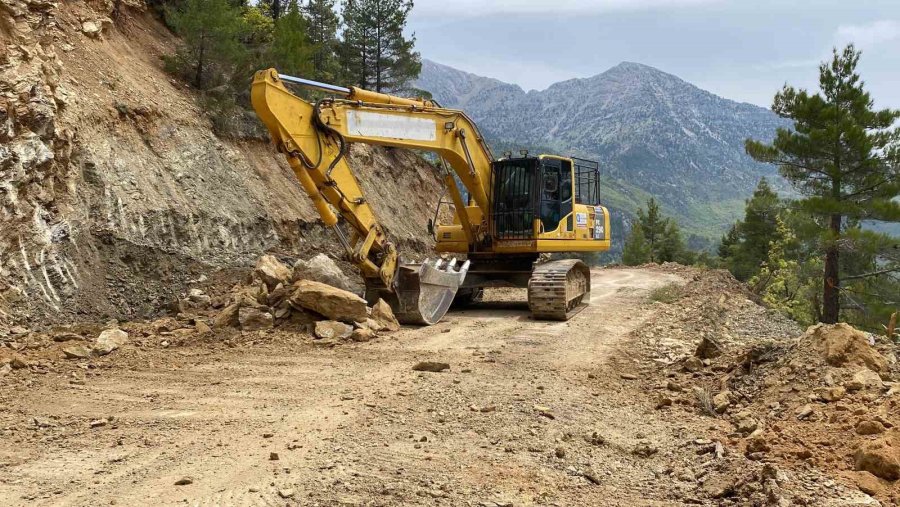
(114, 192)
(333, 303)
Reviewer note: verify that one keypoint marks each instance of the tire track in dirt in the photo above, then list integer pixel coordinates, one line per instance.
(362, 424)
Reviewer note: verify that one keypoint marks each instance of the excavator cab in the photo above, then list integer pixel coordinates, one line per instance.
(538, 196)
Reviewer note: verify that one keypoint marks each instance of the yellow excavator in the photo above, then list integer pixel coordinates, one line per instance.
(507, 212)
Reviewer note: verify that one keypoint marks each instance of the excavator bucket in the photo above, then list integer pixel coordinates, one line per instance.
(425, 291)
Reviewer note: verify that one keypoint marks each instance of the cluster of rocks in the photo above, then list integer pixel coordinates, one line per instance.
(311, 297)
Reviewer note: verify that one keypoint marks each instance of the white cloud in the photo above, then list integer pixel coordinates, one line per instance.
(868, 35)
(474, 8)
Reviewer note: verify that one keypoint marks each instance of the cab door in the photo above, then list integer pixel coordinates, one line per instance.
(556, 197)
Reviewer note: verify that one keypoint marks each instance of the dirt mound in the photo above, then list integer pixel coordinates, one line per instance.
(821, 402)
(811, 406)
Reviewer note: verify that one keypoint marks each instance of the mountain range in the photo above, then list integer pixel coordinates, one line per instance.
(653, 133)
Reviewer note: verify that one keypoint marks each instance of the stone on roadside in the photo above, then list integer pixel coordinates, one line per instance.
(321, 269)
(869, 428)
(228, 317)
(693, 364)
(384, 316)
(66, 337)
(77, 352)
(721, 401)
(184, 481)
(332, 329)
(363, 335)
(254, 319)
(804, 412)
(110, 340)
(202, 328)
(333, 303)
(864, 379)
(432, 366)
(272, 271)
(18, 362)
(832, 394)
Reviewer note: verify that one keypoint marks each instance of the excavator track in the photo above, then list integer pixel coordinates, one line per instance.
(558, 290)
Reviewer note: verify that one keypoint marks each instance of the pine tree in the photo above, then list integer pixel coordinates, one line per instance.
(841, 154)
(670, 247)
(750, 247)
(323, 26)
(210, 31)
(376, 54)
(636, 251)
(654, 226)
(272, 8)
(728, 241)
(291, 50)
(758, 227)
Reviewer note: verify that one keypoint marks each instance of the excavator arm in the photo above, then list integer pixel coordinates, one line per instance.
(314, 137)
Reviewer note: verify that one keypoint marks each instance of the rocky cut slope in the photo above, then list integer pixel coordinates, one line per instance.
(113, 189)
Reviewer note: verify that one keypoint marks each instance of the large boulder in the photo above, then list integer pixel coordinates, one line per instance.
(110, 340)
(333, 303)
(842, 345)
(330, 329)
(271, 271)
(880, 457)
(322, 269)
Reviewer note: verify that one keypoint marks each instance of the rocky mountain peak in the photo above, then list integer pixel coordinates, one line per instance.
(652, 132)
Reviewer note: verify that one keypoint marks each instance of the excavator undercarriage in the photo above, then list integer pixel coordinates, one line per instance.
(424, 292)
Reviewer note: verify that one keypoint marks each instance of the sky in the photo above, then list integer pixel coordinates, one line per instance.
(744, 50)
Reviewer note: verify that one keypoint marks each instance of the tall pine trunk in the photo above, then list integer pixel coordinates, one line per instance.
(831, 297)
(198, 77)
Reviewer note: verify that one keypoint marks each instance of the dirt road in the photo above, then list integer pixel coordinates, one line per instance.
(529, 413)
